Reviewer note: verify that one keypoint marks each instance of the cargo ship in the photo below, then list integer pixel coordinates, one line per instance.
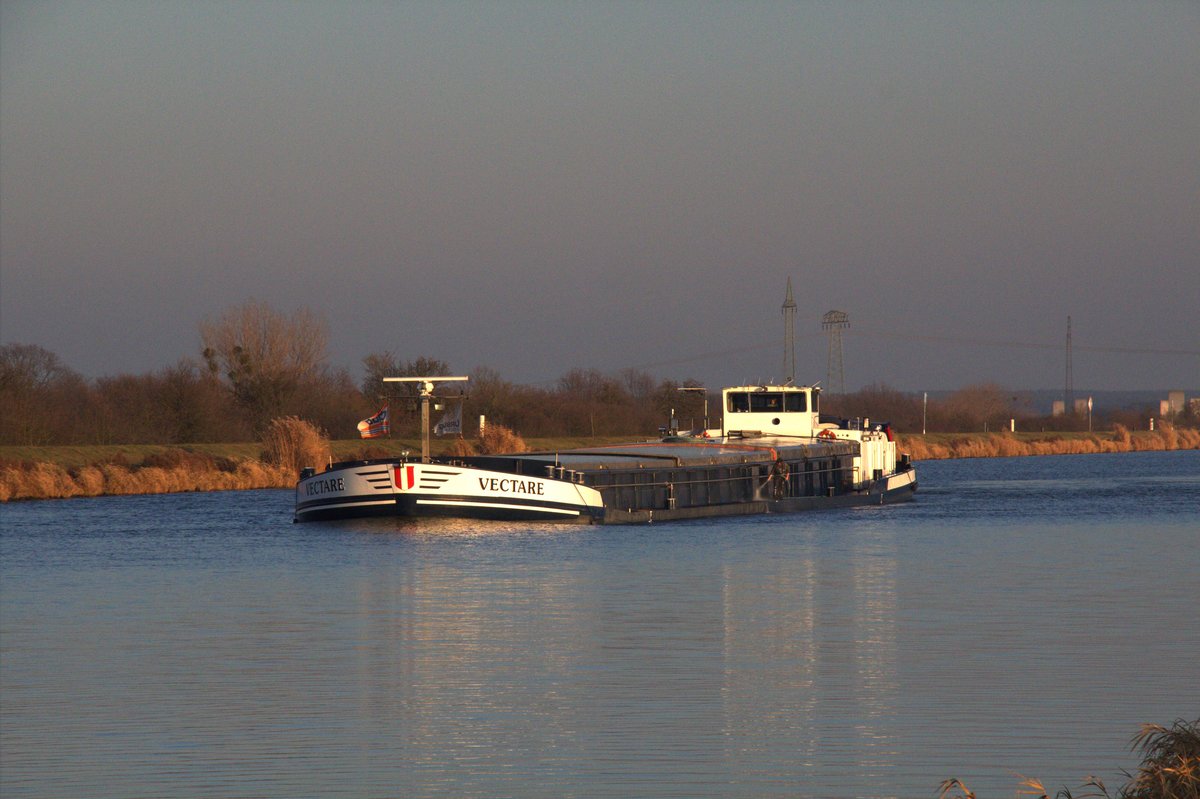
(773, 453)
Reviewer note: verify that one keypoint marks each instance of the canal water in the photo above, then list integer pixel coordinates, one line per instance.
(1021, 618)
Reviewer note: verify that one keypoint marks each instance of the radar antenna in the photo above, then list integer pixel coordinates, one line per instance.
(425, 387)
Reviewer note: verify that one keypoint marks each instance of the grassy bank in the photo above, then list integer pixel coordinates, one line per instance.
(90, 471)
(937, 446)
(58, 472)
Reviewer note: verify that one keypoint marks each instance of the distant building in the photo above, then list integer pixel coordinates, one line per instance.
(1056, 409)
(1172, 405)
(1194, 406)
(1081, 406)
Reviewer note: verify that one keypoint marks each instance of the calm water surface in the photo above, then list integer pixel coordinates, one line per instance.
(1023, 616)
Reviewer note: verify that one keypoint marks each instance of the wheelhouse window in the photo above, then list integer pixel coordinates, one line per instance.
(796, 401)
(767, 402)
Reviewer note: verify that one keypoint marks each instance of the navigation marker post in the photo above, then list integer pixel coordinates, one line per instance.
(425, 386)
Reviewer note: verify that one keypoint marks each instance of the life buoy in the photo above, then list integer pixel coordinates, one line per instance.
(827, 433)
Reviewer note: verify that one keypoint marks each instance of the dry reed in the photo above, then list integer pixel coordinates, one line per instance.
(300, 444)
(291, 443)
(1002, 445)
(50, 481)
(496, 439)
(460, 448)
(1170, 769)
(493, 440)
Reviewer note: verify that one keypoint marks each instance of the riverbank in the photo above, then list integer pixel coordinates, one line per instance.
(939, 446)
(62, 472)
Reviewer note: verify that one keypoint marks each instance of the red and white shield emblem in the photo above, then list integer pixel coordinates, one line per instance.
(406, 477)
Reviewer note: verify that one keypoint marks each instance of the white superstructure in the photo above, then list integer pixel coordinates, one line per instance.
(795, 412)
(770, 411)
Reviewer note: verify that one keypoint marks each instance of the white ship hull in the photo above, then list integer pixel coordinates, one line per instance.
(434, 489)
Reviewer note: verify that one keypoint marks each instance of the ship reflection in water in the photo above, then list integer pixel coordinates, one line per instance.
(634, 664)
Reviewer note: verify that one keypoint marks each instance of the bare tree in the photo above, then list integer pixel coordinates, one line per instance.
(881, 403)
(38, 395)
(975, 407)
(25, 367)
(265, 355)
(379, 365)
(639, 385)
(179, 405)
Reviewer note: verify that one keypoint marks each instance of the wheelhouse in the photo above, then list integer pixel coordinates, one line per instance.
(770, 410)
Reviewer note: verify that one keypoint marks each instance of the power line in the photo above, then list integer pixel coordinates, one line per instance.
(1033, 345)
(891, 335)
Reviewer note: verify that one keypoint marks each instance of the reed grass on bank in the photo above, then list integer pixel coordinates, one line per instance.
(40, 480)
(937, 446)
(1170, 769)
(290, 443)
(60, 472)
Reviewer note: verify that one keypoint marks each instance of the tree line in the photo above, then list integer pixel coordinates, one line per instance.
(257, 364)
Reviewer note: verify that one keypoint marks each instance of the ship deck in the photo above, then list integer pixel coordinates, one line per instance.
(666, 454)
(683, 476)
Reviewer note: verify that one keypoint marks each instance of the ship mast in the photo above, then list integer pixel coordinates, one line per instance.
(425, 386)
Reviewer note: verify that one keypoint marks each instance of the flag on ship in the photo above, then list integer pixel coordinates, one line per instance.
(375, 426)
(451, 423)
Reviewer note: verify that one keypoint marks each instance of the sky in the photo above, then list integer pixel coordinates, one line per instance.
(539, 187)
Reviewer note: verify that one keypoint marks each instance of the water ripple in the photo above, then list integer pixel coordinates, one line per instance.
(1022, 616)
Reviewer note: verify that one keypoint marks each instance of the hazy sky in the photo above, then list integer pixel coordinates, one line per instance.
(541, 186)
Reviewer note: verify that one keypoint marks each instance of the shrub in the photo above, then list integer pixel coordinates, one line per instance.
(227, 465)
(180, 459)
(291, 443)
(1121, 434)
(460, 448)
(495, 439)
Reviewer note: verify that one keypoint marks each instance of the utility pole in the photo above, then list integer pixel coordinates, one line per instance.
(789, 336)
(833, 322)
(1069, 391)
